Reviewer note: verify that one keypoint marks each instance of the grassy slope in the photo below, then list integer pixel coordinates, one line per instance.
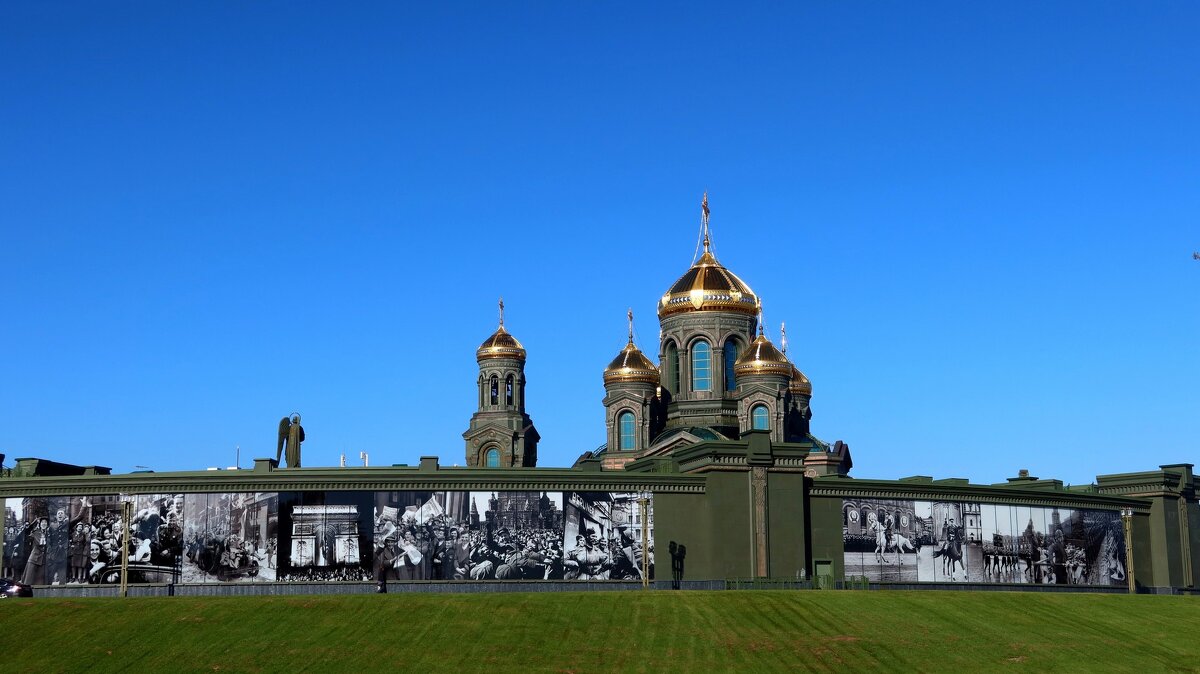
(608, 631)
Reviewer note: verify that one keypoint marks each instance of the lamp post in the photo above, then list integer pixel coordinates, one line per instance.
(126, 516)
(1127, 521)
(643, 512)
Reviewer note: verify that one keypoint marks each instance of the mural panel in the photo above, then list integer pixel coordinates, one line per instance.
(79, 540)
(603, 537)
(956, 542)
(328, 536)
(231, 537)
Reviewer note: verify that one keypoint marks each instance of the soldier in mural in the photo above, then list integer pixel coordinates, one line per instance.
(989, 543)
(603, 537)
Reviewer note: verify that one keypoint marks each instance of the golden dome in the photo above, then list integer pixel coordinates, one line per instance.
(761, 357)
(631, 365)
(800, 384)
(708, 286)
(500, 345)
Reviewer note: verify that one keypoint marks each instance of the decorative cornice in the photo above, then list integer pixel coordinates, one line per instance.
(363, 479)
(856, 489)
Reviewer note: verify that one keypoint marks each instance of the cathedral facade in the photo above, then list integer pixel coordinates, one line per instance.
(709, 469)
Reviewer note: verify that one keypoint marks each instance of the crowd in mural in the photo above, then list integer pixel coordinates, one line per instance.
(917, 541)
(327, 536)
(77, 540)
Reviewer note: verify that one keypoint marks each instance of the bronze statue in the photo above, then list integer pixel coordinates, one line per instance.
(291, 433)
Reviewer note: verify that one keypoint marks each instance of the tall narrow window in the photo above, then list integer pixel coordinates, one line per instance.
(671, 367)
(495, 397)
(701, 366)
(758, 418)
(492, 458)
(508, 390)
(731, 355)
(625, 421)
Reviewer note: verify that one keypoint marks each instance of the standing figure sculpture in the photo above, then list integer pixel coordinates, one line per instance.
(291, 433)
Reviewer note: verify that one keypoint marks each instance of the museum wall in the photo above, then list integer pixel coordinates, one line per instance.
(899, 540)
(307, 536)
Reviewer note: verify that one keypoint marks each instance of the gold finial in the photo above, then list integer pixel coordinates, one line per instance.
(704, 207)
(502, 312)
(630, 315)
(760, 322)
(783, 336)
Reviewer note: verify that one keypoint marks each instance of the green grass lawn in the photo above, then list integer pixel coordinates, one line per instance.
(963, 632)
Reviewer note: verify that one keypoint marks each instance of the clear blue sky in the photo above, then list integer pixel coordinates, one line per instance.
(977, 221)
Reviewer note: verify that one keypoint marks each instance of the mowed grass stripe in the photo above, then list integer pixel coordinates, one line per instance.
(607, 631)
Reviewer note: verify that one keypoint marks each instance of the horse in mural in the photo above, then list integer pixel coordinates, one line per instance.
(888, 540)
(951, 550)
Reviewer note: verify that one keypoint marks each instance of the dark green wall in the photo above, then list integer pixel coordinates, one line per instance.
(731, 528)
(825, 517)
(682, 519)
(785, 520)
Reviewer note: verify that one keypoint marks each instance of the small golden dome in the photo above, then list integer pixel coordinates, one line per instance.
(761, 357)
(500, 345)
(800, 384)
(708, 286)
(631, 365)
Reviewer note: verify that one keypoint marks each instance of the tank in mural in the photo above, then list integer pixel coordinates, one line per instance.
(957, 542)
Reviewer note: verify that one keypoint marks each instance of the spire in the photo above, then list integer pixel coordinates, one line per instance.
(630, 315)
(502, 312)
(704, 208)
(783, 337)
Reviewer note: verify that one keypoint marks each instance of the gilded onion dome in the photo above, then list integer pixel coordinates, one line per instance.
(631, 365)
(500, 344)
(800, 384)
(708, 286)
(761, 357)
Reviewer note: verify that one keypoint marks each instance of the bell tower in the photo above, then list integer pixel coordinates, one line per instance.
(631, 387)
(501, 434)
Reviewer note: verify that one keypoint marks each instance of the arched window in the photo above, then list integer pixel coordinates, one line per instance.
(671, 367)
(492, 458)
(508, 390)
(701, 366)
(495, 398)
(625, 423)
(758, 418)
(731, 355)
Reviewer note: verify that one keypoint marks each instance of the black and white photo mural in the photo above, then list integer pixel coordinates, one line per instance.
(603, 537)
(325, 536)
(60, 540)
(256, 537)
(230, 537)
(952, 541)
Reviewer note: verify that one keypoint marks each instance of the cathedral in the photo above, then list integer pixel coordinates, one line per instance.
(718, 377)
(709, 469)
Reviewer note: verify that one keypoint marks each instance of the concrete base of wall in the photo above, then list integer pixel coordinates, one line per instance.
(428, 587)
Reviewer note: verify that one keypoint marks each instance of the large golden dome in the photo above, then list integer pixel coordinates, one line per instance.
(500, 345)
(761, 357)
(631, 365)
(800, 384)
(708, 286)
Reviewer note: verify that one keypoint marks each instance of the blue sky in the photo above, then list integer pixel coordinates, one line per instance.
(977, 221)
